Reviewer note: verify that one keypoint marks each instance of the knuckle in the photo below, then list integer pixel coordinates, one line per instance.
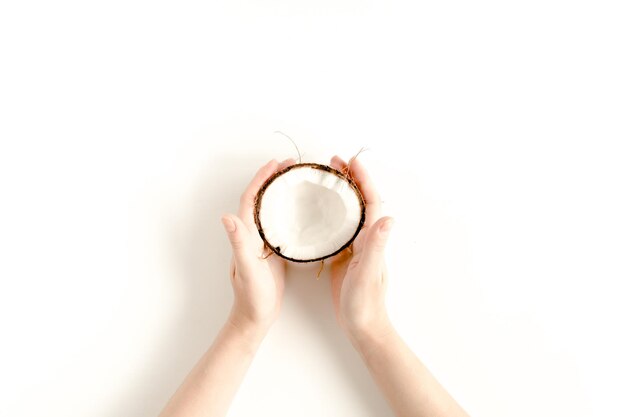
(378, 245)
(237, 243)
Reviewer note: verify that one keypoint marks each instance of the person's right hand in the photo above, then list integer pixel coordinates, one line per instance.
(358, 274)
(258, 281)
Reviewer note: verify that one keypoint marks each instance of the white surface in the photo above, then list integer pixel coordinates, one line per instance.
(496, 133)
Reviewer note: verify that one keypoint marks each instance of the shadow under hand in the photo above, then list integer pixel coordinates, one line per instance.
(313, 297)
(200, 254)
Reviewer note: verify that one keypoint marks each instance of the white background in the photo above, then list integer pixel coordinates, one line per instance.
(496, 136)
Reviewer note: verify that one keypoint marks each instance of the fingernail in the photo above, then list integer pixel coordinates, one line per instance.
(386, 227)
(229, 224)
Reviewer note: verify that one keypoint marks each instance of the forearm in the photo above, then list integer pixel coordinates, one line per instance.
(410, 389)
(210, 387)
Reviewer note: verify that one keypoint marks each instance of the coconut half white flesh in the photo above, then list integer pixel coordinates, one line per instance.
(308, 212)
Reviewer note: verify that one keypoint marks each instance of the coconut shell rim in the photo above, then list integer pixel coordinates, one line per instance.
(259, 197)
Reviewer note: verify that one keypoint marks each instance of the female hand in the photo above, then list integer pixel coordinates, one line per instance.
(258, 282)
(358, 274)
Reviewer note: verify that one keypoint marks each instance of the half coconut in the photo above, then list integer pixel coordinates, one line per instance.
(309, 212)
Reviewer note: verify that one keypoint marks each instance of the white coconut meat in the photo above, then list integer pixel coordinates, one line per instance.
(309, 212)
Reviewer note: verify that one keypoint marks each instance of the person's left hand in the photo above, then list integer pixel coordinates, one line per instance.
(258, 282)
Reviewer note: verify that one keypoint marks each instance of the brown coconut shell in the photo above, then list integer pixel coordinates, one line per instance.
(259, 197)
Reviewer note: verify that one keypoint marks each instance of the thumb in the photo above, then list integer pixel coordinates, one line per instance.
(375, 242)
(236, 231)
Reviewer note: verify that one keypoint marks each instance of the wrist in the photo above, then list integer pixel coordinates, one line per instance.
(253, 331)
(238, 339)
(368, 337)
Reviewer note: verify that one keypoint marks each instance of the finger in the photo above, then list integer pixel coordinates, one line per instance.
(338, 163)
(373, 255)
(246, 203)
(237, 235)
(370, 195)
(366, 187)
(286, 163)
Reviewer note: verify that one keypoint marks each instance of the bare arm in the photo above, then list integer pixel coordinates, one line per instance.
(210, 387)
(408, 386)
(258, 286)
(359, 280)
